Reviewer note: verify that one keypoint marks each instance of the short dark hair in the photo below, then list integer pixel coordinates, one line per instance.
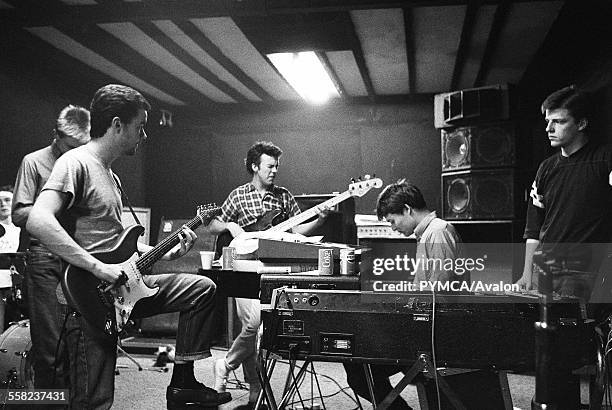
(395, 196)
(257, 150)
(112, 101)
(6, 188)
(72, 121)
(577, 102)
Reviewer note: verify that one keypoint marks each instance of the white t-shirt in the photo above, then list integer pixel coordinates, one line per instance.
(9, 242)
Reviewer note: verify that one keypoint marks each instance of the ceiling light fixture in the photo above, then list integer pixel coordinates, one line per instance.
(306, 74)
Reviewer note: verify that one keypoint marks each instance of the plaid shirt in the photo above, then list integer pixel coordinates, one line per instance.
(244, 205)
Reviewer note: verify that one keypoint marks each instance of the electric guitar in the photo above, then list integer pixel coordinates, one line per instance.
(275, 220)
(109, 311)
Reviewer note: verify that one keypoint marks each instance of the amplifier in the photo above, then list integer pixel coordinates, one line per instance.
(269, 282)
(470, 331)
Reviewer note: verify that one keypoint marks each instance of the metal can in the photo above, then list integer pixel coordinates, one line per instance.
(326, 262)
(347, 262)
(227, 258)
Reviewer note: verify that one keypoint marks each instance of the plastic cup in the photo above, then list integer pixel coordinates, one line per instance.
(207, 259)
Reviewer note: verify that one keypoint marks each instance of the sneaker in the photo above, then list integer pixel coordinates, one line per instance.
(220, 373)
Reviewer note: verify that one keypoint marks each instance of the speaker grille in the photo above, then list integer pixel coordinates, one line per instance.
(480, 194)
(458, 195)
(482, 146)
(457, 149)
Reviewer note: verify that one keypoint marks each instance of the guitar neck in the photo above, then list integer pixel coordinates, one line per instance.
(146, 261)
(309, 213)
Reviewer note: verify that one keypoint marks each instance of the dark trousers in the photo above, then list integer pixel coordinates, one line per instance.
(191, 295)
(356, 378)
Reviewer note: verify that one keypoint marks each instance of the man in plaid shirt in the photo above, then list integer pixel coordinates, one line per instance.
(243, 207)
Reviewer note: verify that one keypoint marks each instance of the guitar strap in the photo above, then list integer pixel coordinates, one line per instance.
(127, 200)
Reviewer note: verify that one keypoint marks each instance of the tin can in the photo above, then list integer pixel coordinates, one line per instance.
(326, 262)
(347, 262)
(227, 258)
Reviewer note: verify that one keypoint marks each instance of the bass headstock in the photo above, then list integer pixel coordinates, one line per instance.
(362, 186)
(207, 212)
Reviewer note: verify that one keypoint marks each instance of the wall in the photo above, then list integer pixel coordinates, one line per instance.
(323, 148)
(31, 102)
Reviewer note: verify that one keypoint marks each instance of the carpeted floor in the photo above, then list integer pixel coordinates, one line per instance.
(146, 389)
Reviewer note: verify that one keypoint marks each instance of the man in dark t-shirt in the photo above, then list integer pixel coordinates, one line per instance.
(569, 208)
(568, 215)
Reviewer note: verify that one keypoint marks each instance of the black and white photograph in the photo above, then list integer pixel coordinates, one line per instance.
(306, 204)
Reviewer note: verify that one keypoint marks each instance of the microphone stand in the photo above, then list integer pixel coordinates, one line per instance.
(546, 330)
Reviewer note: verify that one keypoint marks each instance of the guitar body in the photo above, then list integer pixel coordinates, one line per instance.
(108, 311)
(264, 222)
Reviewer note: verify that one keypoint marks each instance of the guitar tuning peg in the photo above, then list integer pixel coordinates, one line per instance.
(352, 180)
(366, 176)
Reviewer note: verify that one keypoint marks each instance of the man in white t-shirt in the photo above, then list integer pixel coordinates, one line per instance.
(9, 242)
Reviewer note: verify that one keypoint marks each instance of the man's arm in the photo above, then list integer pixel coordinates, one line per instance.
(442, 245)
(527, 280)
(24, 193)
(533, 224)
(186, 241)
(308, 227)
(44, 225)
(217, 226)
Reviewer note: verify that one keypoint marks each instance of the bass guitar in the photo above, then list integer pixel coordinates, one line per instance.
(276, 221)
(109, 310)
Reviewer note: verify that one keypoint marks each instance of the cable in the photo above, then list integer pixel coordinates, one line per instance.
(340, 388)
(433, 346)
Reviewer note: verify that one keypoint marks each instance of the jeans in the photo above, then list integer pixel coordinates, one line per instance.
(95, 357)
(244, 349)
(47, 316)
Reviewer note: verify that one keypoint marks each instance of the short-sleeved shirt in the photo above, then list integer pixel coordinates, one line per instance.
(570, 203)
(33, 173)
(93, 213)
(244, 205)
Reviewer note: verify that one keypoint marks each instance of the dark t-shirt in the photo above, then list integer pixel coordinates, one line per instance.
(570, 203)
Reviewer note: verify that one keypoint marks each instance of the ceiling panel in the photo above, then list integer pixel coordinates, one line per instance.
(437, 31)
(186, 43)
(383, 41)
(520, 39)
(224, 33)
(85, 55)
(182, 54)
(477, 43)
(150, 49)
(345, 66)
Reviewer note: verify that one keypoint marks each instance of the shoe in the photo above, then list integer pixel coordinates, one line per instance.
(202, 396)
(220, 373)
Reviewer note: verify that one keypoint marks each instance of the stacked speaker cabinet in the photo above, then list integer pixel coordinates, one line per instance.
(482, 194)
(479, 154)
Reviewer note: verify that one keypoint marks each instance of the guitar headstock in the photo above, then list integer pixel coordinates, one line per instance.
(361, 187)
(207, 212)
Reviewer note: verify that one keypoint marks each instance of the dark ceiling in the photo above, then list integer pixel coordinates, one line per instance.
(198, 56)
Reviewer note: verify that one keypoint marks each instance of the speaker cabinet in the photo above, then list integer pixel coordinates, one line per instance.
(480, 194)
(472, 105)
(340, 225)
(482, 146)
